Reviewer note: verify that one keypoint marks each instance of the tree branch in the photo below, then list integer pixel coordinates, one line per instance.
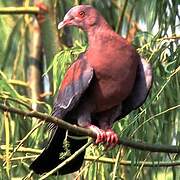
(111, 161)
(87, 132)
(19, 10)
(129, 163)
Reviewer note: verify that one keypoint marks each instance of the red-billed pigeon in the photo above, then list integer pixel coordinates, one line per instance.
(103, 85)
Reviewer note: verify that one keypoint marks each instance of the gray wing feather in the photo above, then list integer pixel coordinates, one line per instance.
(140, 90)
(68, 98)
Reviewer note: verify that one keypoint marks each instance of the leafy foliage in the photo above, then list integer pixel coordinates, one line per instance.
(156, 27)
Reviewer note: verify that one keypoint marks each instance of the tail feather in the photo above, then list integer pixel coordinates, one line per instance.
(50, 157)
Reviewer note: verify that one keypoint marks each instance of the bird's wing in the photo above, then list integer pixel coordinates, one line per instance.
(140, 90)
(74, 84)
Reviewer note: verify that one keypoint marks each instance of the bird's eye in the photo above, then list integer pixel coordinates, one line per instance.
(82, 13)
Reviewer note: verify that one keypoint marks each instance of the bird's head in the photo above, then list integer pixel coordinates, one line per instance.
(82, 16)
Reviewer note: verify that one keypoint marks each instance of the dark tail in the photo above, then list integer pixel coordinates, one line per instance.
(50, 157)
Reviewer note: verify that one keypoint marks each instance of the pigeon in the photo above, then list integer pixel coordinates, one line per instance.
(103, 85)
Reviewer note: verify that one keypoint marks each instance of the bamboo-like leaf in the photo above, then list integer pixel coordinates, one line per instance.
(6, 86)
(156, 121)
(7, 134)
(12, 45)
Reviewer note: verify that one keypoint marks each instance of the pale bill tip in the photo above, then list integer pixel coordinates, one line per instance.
(61, 25)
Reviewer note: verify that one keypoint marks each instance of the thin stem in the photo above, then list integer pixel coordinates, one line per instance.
(113, 161)
(87, 132)
(66, 161)
(19, 10)
(18, 83)
(24, 139)
(116, 164)
(129, 163)
(22, 149)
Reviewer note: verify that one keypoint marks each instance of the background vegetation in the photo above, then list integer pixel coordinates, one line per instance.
(34, 57)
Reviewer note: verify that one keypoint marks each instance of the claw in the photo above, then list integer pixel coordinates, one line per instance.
(112, 138)
(43, 10)
(108, 137)
(101, 134)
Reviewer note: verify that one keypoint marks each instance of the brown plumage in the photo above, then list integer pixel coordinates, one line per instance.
(104, 84)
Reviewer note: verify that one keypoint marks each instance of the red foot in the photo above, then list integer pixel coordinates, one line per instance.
(43, 9)
(101, 134)
(42, 6)
(111, 138)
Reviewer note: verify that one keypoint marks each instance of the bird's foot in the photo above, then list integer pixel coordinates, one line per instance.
(101, 134)
(111, 138)
(43, 10)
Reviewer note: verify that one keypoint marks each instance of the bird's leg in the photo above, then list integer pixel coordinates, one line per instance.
(101, 134)
(112, 138)
(106, 120)
(84, 120)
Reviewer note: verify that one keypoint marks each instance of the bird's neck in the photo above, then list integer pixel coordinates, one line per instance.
(97, 33)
